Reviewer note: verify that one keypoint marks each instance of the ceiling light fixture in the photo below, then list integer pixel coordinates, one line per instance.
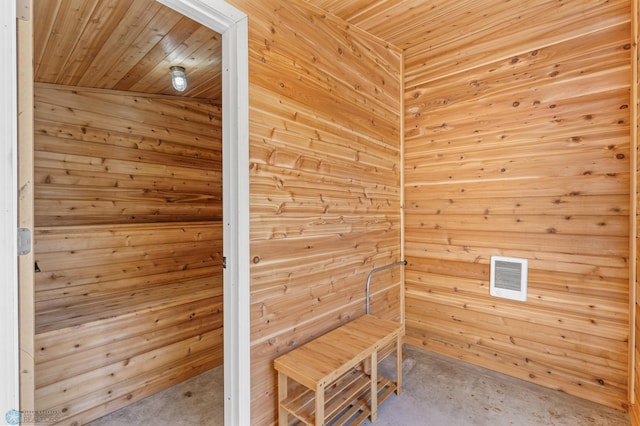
(178, 78)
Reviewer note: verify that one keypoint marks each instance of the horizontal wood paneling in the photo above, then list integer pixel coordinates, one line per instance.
(112, 295)
(98, 403)
(499, 37)
(325, 195)
(128, 245)
(517, 144)
(104, 157)
(133, 269)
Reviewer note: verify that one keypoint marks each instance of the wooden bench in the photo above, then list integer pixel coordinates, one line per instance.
(339, 374)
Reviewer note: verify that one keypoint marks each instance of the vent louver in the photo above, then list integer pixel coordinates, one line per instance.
(509, 278)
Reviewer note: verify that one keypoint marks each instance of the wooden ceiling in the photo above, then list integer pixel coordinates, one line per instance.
(399, 22)
(123, 45)
(414, 24)
(130, 45)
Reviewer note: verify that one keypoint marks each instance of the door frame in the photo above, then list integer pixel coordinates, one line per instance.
(9, 350)
(232, 24)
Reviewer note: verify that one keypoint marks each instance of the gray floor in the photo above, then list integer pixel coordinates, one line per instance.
(437, 391)
(440, 391)
(197, 401)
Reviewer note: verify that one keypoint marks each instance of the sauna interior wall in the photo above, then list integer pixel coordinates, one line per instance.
(517, 144)
(634, 413)
(325, 180)
(128, 242)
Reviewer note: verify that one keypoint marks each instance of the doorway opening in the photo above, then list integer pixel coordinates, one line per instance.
(234, 223)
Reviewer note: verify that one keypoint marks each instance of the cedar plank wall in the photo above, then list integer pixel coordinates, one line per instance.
(517, 144)
(325, 180)
(128, 239)
(634, 413)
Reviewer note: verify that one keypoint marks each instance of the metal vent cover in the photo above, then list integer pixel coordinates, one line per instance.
(509, 277)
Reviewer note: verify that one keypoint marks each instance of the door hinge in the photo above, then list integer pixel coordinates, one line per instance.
(224, 262)
(24, 241)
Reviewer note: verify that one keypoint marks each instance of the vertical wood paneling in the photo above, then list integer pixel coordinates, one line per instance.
(517, 144)
(325, 146)
(128, 244)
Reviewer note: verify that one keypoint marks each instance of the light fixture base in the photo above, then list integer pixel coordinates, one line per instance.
(178, 78)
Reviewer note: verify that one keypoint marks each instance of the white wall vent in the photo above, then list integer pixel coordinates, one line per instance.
(509, 277)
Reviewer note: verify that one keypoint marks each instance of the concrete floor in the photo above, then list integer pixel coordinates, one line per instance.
(441, 391)
(194, 402)
(437, 391)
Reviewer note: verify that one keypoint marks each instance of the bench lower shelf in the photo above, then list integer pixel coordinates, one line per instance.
(339, 369)
(347, 400)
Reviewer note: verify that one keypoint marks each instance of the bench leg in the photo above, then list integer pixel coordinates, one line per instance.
(374, 386)
(283, 416)
(399, 366)
(320, 406)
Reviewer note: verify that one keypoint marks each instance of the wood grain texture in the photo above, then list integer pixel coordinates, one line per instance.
(128, 244)
(517, 144)
(104, 158)
(122, 45)
(634, 375)
(325, 145)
